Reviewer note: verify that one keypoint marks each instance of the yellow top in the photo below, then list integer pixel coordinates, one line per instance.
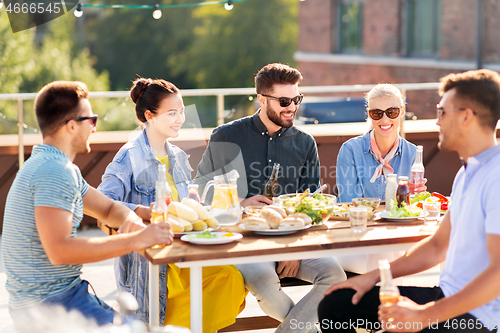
(170, 179)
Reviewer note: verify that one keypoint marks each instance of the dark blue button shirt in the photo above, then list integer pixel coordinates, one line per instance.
(245, 145)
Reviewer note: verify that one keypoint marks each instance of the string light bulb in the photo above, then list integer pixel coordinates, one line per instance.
(1, 4)
(229, 5)
(157, 12)
(78, 10)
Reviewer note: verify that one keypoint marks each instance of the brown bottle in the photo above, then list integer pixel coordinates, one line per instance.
(271, 187)
(403, 191)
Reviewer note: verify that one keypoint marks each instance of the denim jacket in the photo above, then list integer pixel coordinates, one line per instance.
(356, 164)
(130, 178)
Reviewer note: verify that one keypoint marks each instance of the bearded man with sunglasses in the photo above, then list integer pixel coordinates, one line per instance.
(468, 238)
(42, 256)
(252, 145)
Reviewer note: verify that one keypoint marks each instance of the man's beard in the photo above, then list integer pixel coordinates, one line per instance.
(274, 116)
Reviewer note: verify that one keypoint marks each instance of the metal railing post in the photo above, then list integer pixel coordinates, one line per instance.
(20, 131)
(220, 109)
(402, 127)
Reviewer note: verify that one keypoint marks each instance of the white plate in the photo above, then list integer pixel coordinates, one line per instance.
(275, 232)
(385, 215)
(179, 234)
(212, 241)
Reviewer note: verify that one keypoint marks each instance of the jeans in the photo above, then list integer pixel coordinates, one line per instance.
(338, 314)
(263, 282)
(76, 298)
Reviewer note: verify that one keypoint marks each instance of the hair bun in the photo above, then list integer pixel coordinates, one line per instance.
(139, 86)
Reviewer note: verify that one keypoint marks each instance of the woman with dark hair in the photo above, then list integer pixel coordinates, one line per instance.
(131, 178)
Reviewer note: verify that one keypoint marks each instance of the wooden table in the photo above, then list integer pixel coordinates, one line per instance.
(334, 238)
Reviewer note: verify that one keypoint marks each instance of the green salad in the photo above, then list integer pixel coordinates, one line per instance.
(403, 211)
(203, 234)
(319, 207)
(420, 197)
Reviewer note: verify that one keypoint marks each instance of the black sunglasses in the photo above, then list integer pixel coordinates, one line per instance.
(377, 114)
(286, 101)
(93, 120)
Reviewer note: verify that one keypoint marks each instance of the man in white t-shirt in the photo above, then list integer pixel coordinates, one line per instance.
(468, 296)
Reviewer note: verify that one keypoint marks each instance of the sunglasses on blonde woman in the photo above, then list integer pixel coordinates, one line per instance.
(377, 114)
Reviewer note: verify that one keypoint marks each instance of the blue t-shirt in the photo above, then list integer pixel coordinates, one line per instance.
(356, 164)
(475, 211)
(50, 179)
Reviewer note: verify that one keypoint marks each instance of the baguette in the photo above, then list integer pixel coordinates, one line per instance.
(188, 226)
(272, 217)
(280, 210)
(197, 207)
(180, 210)
(255, 223)
(292, 223)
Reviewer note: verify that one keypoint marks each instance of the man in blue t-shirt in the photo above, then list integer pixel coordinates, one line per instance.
(42, 256)
(468, 296)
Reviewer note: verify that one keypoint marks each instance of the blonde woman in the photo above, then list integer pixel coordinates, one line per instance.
(364, 161)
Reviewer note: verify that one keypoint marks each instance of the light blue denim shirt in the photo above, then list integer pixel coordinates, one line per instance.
(130, 178)
(356, 164)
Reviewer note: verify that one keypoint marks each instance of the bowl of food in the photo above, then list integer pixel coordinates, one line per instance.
(371, 203)
(319, 207)
(253, 210)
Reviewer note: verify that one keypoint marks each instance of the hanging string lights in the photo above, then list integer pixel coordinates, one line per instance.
(78, 12)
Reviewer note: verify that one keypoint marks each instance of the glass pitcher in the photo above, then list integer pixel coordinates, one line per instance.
(225, 205)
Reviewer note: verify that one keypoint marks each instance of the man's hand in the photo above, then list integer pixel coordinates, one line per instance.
(361, 284)
(288, 268)
(155, 234)
(405, 316)
(131, 224)
(144, 212)
(256, 200)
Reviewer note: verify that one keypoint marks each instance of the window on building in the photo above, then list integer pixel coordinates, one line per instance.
(350, 26)
(423, 31)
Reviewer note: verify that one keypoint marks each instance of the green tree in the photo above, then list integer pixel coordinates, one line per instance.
(229, 47)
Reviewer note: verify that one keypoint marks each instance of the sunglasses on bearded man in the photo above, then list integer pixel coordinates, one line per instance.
(286, 101)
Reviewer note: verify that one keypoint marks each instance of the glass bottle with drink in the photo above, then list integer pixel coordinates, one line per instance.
(159, 211)
(417, 171)
(390, 190)
(389, 292)
(162, 178)
(271, 187)
(193, 192)
(403, 191)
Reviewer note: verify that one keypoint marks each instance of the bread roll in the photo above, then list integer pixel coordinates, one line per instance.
(272, 217)
(280, 210)
(292, 223)
(307, 219)
(197, 207)
(180, 210)
(255, 223)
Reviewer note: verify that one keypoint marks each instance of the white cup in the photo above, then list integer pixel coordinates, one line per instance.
(359, 218)
(431, 212)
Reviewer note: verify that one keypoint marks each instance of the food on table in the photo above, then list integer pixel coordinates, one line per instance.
(271, 216)
(185, 224)
(292, 222)
(307, 219)
(404, 211)
(204, 234)
(255, 223)
(212, 222)
(197, 207)
(229, 234)
(341, 210)
(319, 207)
(253, 210)
(200, 225)
(371, 203)
(426, 196)
(181, 210)
(280, 210)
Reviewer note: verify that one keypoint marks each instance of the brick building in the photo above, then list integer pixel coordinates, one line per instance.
(396, 41)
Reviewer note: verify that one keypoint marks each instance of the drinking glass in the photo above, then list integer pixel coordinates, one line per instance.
(431, 211)
(359, 218)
